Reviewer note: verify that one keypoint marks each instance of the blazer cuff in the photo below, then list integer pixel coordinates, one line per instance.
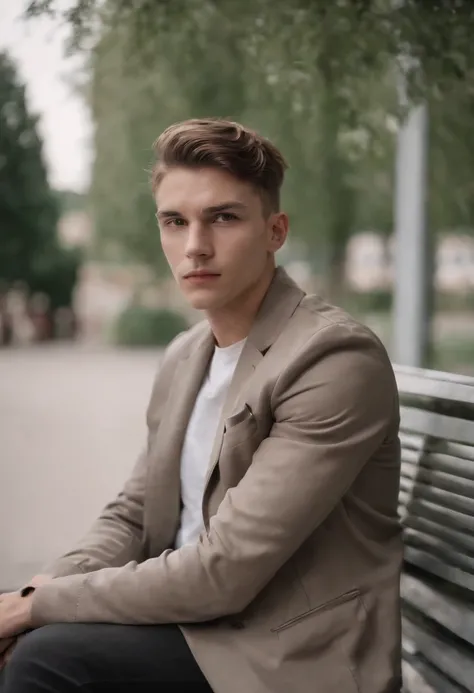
(57, 601)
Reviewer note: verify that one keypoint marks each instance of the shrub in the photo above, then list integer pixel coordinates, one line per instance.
(379, 301)
(142, 326)
(454, 302)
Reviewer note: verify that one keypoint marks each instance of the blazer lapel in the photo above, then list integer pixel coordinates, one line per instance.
(248, 362)
(279, 304)
(164, 486)
(187, 382)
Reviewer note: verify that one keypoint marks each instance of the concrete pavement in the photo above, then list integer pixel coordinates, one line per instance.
(72, 422)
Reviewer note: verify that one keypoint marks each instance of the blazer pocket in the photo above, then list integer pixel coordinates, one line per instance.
(239, 427)
(331, 604)
(239, 444)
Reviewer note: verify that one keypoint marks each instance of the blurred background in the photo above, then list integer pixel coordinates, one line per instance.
(372, 104)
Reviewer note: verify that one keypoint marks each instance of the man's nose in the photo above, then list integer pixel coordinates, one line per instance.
(199, 242)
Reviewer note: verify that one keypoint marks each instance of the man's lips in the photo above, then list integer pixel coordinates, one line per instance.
(201, 275)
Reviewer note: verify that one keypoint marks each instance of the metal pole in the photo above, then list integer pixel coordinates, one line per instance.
(413, 254)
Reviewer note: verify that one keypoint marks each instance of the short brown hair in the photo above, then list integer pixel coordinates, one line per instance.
(226, 145)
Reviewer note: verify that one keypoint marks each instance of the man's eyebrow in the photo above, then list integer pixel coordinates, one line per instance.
(232, 204)
(167, 213)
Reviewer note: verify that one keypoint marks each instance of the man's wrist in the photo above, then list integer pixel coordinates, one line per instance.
(26, 594)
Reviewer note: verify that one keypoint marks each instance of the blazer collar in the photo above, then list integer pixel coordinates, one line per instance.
(279, 304)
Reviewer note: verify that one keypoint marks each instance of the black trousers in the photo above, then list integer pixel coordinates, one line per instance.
(103, 658)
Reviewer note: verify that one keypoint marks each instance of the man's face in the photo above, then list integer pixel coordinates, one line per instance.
(214, 224)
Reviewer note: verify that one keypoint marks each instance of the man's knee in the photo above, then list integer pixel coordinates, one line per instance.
(39, 644)
(37, 653)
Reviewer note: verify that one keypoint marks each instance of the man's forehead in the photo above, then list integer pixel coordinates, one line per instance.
(202, 191)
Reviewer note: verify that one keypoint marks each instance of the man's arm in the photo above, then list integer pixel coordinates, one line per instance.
(115, 538)
(333, 408)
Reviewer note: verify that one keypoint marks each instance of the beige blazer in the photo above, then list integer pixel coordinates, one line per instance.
(294, 585)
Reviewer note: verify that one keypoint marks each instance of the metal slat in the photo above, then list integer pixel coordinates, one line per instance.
(438, 461)
(449, 465)
(417, 506)
(431, 477)
(419, 677)
(438, 548)
(465, 452)
(424, 444)
(452, 613)
(432, 564)
(436, 446)
(411, 455)
(463, 540)
(438, 496)
(412, 441)
(434, 384)
(437, 425)
(457, 664)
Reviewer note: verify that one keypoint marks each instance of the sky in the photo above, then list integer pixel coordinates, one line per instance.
(38, 48)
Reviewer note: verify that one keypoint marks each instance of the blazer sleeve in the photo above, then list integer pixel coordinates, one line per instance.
(333, 406)
(115, 538)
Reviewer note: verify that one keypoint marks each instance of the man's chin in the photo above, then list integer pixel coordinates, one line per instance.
(205, 298)
(202, 303)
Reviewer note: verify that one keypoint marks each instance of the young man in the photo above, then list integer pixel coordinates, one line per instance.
(257, 538)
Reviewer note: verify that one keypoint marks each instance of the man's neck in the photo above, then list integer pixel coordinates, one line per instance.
(233, 324)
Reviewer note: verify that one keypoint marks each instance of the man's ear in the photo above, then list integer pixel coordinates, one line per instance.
(279, 230)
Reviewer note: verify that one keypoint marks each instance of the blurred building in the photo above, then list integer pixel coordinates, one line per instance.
(75, 229)
(370, 262)
(102, 293)
(455, 264)
(369, 265)
(105, 288)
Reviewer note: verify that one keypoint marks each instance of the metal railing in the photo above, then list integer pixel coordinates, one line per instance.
(437, 512)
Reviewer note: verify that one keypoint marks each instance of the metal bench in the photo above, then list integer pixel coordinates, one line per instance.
(437, 512)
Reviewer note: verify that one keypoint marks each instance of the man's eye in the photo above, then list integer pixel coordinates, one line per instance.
(175, 222)
(225, 216)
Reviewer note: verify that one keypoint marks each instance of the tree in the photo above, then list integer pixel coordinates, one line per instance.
(142, 81)
(318, 78)
(136, 94)
(438, 32)
(70, 201)
(29, 250)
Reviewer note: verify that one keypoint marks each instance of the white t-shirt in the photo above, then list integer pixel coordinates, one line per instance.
(199, 439)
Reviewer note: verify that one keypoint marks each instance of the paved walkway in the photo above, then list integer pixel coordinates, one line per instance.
(72, 421)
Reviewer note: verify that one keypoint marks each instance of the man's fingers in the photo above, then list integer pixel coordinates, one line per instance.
(7, 651)
(6, 654)
(5, 643)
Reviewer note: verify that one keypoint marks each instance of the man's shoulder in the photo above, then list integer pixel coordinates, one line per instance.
(178, 349)
(184, 343)
(322, 345)
(316, 321)
(326, 355)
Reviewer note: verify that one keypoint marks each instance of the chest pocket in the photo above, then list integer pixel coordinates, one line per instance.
(241, 440)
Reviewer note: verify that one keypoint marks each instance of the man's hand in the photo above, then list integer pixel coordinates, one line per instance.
(8, 644)
(15, 614)
(5, 645)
